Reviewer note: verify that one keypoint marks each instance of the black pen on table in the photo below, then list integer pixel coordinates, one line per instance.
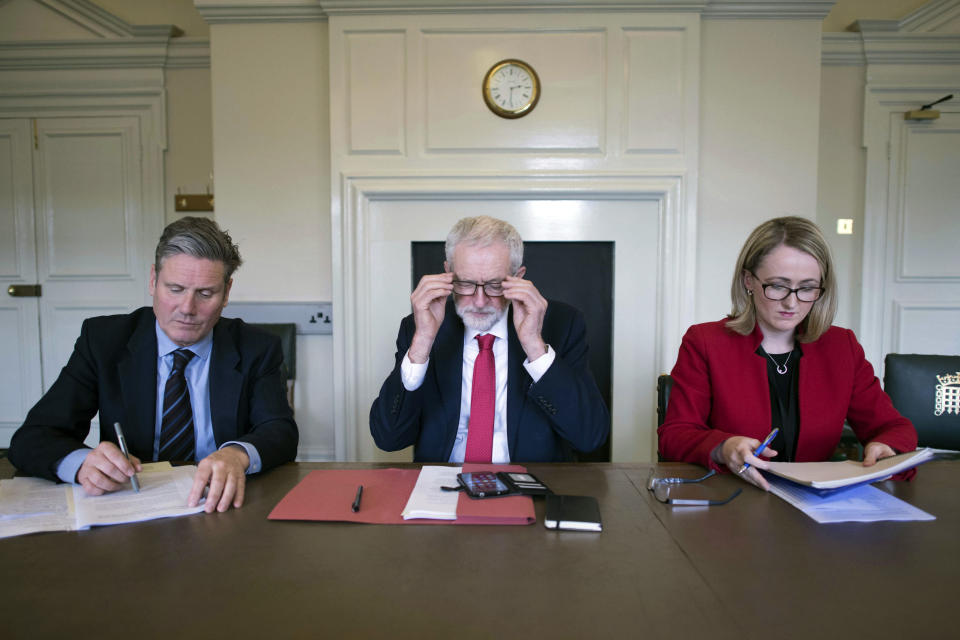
(356, 501)
(759, 450)
(126, 454)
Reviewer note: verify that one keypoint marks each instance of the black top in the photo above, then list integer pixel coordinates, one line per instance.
(783, 400)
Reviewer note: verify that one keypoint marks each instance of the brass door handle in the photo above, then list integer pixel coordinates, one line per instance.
(24, 290)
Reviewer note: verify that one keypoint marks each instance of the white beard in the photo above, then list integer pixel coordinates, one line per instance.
(480, 319)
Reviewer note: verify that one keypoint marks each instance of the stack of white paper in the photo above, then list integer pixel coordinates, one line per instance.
(428, 500)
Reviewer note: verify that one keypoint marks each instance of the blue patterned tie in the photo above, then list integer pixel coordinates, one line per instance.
(176, 425)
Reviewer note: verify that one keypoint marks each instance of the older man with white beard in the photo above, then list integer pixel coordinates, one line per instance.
(497, 374)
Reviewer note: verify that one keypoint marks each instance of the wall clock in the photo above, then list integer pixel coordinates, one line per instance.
(511, 88)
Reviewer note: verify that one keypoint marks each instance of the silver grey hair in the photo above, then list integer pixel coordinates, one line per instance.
(200, 238)
(482, 231)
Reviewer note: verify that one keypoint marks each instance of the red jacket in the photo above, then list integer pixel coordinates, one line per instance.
(720, 389)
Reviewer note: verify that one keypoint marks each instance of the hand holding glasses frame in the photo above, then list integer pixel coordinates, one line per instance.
(492, 289)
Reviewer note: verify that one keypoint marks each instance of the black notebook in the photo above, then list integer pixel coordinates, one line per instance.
(574, 513)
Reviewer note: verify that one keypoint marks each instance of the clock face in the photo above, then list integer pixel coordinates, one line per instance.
(511, 88)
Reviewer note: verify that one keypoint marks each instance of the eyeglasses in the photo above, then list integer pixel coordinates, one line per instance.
(492, 289)
(779, 292)
(665, 491)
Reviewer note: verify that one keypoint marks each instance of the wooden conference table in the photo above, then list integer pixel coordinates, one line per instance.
(754, 568)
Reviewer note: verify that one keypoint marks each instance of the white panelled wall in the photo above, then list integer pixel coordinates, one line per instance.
(271, 164)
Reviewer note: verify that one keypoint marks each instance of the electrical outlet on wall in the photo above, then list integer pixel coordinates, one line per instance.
(310, 317)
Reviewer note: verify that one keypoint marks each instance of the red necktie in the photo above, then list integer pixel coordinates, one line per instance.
(483, 400)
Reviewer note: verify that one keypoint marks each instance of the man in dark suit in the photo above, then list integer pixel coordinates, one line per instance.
(184, 383)
(497, 374)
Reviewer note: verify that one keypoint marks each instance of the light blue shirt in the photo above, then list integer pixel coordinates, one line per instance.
(197, 375)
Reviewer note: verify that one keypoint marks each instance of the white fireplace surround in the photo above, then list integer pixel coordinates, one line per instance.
(644, 214)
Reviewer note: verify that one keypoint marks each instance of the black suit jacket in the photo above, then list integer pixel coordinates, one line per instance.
(546, 421)
(113, 370)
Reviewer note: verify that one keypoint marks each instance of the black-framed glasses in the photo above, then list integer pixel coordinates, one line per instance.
(777, 292)
(669, 491)
(492, 289)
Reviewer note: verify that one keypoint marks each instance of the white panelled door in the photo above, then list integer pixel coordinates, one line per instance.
(922, 274)
(20, 378)
(82, 180)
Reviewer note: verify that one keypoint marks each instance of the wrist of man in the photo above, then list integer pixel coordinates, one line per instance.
(248, 455)
(535, 350)
(419, 351)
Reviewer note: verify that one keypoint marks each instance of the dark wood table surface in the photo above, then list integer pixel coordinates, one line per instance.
(754, 568)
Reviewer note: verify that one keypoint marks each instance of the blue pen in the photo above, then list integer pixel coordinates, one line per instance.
(759, 450)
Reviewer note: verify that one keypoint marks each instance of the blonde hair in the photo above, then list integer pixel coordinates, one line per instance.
(482, 231)
(797, 233)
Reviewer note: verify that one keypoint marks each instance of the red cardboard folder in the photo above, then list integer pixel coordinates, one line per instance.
(328, 494)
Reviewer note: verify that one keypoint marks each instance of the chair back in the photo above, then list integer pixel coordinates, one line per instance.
(925, 389)
(664, 384)
(287, 332)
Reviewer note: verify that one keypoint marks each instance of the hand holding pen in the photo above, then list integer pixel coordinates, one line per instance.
(759, 450)
(126, 454)
(106, 469)
(736, 451)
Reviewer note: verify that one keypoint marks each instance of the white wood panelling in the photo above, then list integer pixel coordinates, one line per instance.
(910, 221)
(929, 229)
(20, 353)
(89, 226)
(377, 71)
(617, 122)
(617, 91)
(571, 112)
(17, 264)
(88, 197)
(926, 327)
(20, 373)
(655, 113)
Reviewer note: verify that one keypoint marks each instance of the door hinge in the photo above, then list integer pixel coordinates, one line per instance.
(36, 136)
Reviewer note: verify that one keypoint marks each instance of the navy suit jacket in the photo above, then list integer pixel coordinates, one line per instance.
(113, 370)
(546, 421)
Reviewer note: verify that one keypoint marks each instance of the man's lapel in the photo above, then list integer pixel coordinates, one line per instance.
(447, 356)
(517, 382)
(137, 370)
(226, 381)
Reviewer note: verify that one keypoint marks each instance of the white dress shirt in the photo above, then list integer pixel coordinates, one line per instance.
(412, 375)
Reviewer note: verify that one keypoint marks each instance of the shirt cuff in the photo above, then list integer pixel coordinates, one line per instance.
(538, 367)
(411, 373)
(69, 465)
(252, 453)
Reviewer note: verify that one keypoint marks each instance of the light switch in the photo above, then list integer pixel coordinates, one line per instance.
(844, 226)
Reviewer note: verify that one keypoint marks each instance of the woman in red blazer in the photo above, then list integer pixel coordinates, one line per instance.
(776, 361)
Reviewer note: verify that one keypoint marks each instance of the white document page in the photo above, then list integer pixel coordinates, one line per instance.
(32, 496)
(29, 505)
(163, 494)
(863, 503)
(428, 500)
